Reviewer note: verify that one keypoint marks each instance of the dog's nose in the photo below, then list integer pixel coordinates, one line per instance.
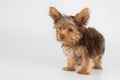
(62, 36)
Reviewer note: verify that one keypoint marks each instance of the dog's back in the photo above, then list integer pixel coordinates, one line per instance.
(94, 41)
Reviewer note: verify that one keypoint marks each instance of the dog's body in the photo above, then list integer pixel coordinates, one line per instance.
(81, 45)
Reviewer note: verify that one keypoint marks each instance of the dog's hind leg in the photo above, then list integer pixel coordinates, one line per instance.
(97, 63)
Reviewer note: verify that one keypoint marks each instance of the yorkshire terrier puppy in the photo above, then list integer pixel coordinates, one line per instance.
(83, 46)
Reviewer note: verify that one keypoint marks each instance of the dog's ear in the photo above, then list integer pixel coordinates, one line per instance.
(82, 17)
(55, 14)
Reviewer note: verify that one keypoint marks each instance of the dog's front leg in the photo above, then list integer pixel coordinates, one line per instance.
(70, 64)
(85, 67)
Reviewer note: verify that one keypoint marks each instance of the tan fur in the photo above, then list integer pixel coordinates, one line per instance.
(97, 63)
(82, 17)
(83, 46)
(71, 64)
(55, 14)
(78, 51)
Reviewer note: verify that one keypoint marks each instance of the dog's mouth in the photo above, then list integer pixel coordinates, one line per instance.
(63, 42)
(67, 42)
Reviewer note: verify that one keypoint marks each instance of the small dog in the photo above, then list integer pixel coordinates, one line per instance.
(83, 46)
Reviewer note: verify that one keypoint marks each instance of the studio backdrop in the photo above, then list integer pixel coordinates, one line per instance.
(28, 46)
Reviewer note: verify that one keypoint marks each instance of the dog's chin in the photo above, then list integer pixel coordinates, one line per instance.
(63, 42)
(67, 43)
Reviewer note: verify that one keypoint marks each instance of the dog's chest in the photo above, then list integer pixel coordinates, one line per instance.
(68, 50)
(73, 51)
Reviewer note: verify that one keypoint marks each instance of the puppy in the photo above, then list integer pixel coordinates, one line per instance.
(82, 46)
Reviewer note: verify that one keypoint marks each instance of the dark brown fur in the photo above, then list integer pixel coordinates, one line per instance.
(83, 46)
(94, 42)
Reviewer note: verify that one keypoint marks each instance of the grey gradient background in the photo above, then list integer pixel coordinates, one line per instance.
(28, 47)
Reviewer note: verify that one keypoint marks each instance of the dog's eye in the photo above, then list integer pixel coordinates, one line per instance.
(70, 30)
(60, 28)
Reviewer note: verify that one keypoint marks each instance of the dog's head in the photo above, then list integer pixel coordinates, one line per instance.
(69, 28)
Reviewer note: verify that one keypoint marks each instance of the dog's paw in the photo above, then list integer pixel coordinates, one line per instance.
(68, 69)
(83, 72)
